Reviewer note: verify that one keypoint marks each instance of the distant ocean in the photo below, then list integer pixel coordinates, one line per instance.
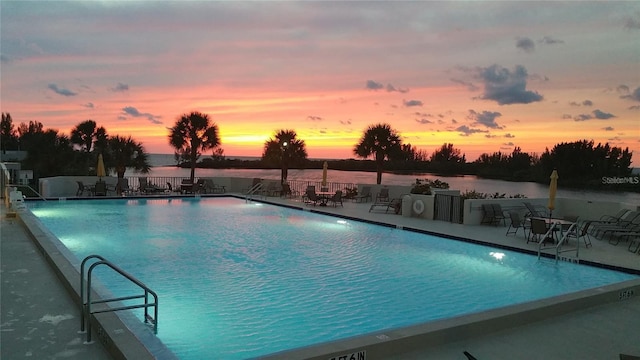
(165, 165)
(170, 160)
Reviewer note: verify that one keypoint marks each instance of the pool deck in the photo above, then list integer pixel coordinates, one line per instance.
(39, 320)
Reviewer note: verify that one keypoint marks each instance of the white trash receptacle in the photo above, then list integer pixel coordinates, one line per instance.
(406, 206)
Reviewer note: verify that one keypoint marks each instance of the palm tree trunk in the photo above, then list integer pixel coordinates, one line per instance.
(284, 173)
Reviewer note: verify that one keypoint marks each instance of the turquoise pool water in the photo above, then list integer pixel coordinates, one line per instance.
(238, 280)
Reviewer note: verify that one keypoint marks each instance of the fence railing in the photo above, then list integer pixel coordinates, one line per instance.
(298, 187)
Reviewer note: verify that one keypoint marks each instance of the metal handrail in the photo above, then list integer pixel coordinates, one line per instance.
(546, 235)
(86, 311)
(257, 187)
(29, 187)
(558, 246)
(571, 229)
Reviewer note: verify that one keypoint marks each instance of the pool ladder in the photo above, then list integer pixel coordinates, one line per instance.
(254, 190)
(558, 247)
(87, 310)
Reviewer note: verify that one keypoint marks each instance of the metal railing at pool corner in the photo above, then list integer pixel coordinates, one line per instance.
(86, 307)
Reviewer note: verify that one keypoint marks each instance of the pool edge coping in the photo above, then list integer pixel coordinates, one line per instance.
(123, 343)
(117, 337)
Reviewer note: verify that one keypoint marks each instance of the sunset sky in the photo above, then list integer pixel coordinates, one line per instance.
(486, 76)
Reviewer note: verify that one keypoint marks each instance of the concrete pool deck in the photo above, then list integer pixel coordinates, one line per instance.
(39, 319)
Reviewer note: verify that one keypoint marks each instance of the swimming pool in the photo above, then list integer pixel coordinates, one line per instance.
(239, 280)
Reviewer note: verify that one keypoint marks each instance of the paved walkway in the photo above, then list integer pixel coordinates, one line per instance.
(39, 320)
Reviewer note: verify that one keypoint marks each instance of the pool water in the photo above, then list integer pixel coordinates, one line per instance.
(238, 280)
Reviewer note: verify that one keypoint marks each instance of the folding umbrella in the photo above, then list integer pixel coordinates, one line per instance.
(100, 170)
(553, 188)
(324, 173)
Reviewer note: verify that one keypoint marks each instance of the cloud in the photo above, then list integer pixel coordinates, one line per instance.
(469, 85)
(509, 136)
(583, 103)
(89, 105)
(567, 116)
(131, 111)
(372, 85)
(635, 95)
(548, 40)
(314, 118)
(486, 118)
(466, 131)
(632, 23)
(507, 87)
(583, 117)
(424, 121)
(5, 59)
(525, 44)
(391, 88)
(601, 115)
(61, 91)
(623, 89)
(120, 88)
(595, 114)
(409, 103)
(608, 128)
(345, 122)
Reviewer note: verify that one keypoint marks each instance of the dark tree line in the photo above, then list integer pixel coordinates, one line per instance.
(580, 164)
(51, 153)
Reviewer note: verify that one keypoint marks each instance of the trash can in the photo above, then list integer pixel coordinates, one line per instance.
(406, 206)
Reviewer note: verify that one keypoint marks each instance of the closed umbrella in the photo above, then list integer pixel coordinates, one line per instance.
(324, 173)
(100, 171)
(553, 188)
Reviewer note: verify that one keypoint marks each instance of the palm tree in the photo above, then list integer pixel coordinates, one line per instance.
(85, 133)
(123, 153)
(382, 142)
(193, 133)
(285, 149)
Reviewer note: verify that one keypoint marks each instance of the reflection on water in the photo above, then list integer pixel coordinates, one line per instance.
(462, 183)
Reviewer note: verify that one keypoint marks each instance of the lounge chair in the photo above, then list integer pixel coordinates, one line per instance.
(395, 204)
(272, 189)
(82, 188)
(305, 196)
(209, 187)
(493, 214)
(534, 212)
(186, 186)
(286, 191)
(122, 188)
(336, 198)
(516, 223)
(312, 197)
(146, 188)
(624, 224)
(100, 189)
(581, 231)
(383, 195)
(612, 218)
(538, 230)
(365, 196)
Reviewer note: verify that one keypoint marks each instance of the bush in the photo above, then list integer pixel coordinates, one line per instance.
(424, 186)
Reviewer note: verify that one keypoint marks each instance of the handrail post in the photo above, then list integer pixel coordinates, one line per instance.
(85, 319)
(82, 295)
